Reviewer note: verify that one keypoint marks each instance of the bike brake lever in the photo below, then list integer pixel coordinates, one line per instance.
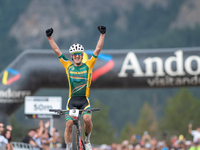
(89, 111)
(59, 112)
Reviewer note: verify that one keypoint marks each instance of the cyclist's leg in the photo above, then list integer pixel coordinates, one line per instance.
(68, 131)
(87, 118)
(68, 127)
(88, 125)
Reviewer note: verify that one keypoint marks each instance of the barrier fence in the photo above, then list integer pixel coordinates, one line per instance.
(25, 146)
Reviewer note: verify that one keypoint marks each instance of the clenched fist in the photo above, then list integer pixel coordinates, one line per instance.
(49, 32)
(102, 29)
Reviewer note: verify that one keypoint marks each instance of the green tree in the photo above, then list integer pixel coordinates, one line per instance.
(18, 131)
(180, 110)
(102, 131)
(127, 132)
(147, 121)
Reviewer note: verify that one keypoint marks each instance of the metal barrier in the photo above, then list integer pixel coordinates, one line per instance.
(2, 148)
(25, 146)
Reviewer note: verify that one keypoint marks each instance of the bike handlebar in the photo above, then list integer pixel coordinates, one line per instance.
(61, 112)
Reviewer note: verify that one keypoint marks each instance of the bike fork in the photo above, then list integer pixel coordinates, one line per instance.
(81, 144)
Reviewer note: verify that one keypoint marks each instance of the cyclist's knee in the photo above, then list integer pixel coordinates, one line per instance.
(69, 124)
(87, 119)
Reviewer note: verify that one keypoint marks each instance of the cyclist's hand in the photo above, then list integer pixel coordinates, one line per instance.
(49, 32)
(102, 29)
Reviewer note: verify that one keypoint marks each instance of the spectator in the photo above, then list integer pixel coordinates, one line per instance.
(113, 146)
(4, 142)
(153, 143)
(173, 140)
(124, 144)
(188, 144)
(104, 147)
(194, 133)
(1, 128)
(29, 138)
(133, 139)
(195, 146)
(38, 135)
(148, 146)
(182, 145)
(142, 144)
(8, 135)
(56, 138)
(9, 127)
(46, 137)
(46, 140)
(146, 137)
(162, 146)
(138, 147)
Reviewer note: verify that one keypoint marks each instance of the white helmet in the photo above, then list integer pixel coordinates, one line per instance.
(76, 48)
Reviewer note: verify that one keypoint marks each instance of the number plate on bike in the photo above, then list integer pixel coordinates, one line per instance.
(74, 112)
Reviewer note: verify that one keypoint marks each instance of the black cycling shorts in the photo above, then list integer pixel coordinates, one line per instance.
(79, 102)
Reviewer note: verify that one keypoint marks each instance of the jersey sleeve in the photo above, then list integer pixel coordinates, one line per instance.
(64, 61)
(90, 63)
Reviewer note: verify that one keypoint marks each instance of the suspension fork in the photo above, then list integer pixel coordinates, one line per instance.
(80, 136)
(77, 122)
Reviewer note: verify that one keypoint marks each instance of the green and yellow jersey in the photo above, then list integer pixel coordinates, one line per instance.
(79, 77)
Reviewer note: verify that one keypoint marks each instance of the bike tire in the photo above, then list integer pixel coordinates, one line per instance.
(74, 138)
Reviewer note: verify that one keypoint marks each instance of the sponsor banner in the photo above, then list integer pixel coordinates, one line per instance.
(113, 69)
(148, 68)
(153, 68)
(8, 93)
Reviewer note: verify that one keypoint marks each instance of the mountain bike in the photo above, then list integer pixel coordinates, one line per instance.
(77, 141)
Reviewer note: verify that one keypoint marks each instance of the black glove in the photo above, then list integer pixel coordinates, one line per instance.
(49, 32)
(102, 29)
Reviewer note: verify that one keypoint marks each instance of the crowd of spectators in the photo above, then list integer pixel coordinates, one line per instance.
(152, 144)
(146, 142)
(41, 138)
(6, 136)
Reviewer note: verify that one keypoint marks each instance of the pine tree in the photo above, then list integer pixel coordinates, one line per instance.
(180, 110)
(127, 132)
(146, 122)
(103, 132)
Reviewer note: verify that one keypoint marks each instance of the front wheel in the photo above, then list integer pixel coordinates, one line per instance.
(74, 138)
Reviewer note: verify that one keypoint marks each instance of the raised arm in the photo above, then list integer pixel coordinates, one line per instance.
(52, 43)
(100, 42)
(190, 128)
(40, 131)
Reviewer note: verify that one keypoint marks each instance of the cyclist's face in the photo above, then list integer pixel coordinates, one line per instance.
(77, 58)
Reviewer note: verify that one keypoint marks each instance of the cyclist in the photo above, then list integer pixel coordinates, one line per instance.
(79, 78)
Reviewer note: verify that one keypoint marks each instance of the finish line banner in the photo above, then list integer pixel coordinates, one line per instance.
(143, 68)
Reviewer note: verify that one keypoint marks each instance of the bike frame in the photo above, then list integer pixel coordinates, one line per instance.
(77, 123)
(77, 142)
